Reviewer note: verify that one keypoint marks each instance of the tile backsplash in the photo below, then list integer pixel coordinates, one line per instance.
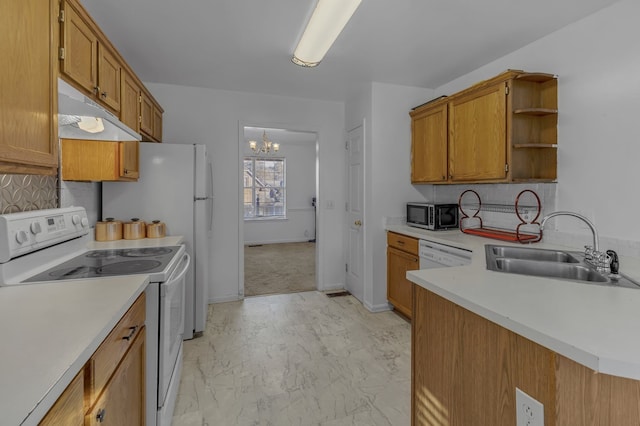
(27, 192)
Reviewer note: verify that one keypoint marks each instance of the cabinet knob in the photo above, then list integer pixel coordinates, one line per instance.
(126, 172)
(104, 94)
(100, 415)
(444, 177)
(96, 89)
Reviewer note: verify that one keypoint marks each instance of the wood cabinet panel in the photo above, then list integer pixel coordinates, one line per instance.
(146, 114)
(109, 70)
(130, 102)
(429, 152)
(587, 398)
(466, 368)
(87, 160)
(157, 124)
(118, 342)
(28, 87)
(122, 402)
(500, 130)
(403, 242)
(478, 135)
(69, 408)
(399, 289)
(402, 256)
(80, 43)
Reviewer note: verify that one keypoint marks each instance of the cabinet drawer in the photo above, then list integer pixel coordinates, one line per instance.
(402, 242)
(107, 357)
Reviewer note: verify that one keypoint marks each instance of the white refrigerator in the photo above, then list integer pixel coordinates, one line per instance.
(175, 186)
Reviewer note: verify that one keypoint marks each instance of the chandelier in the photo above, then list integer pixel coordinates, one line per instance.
(267, 146)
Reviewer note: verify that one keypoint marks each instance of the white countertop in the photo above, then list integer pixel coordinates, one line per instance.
(594, 325)
(48, 332)
(143, 242)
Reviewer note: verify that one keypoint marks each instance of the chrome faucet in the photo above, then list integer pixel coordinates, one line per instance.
(579, 216)
(592, 253)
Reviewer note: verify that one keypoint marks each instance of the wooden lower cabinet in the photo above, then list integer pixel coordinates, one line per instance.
(123, 398)
(402, 256)
(465, 370)
(110, 388)
(69, 408)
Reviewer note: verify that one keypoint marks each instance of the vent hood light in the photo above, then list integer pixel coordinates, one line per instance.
(326, 23)
(91, 124)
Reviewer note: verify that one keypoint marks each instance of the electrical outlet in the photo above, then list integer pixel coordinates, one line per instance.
(529, 412)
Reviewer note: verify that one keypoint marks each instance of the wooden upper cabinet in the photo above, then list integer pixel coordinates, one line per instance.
(109, 70)
(500, 130)
(130, 102)
(28, 87)
(88, 160)
(429, 154)
(146, 114)
(79, 50)
(150, 119)
(478, 135)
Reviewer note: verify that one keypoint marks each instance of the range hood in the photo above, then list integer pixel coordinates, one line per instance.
(77, 112)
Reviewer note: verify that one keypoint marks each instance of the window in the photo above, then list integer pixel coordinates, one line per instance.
(264, 188)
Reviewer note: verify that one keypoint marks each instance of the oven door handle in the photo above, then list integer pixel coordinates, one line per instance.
(177, 276)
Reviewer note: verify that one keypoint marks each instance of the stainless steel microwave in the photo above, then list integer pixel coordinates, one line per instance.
(432, 216)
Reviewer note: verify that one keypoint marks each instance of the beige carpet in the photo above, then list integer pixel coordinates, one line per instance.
(279, 268)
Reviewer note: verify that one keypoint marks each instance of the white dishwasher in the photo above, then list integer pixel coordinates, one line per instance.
(437, 255)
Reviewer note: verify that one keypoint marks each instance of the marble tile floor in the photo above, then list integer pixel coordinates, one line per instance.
(297, 359)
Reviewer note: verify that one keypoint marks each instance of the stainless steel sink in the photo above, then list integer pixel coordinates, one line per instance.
(556, 264)
(567, 271)
(533, 254)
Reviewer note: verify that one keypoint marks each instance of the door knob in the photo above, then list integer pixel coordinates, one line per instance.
(358, 223)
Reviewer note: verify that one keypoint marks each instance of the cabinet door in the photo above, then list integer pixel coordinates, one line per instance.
(28, 87)
(80, 44)
(122, 401)
(130, 102)
(399, 289)
(157, 124)
(87, 160)
(478, 135)
(429, 145)
(129, 159)
(146, 114)
(109, 70)
(69, 408)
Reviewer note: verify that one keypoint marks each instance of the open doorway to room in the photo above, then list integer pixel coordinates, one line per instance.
(279, 210)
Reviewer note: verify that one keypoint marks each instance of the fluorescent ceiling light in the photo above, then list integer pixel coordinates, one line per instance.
(326, 23)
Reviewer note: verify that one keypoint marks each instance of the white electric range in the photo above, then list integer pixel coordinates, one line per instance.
(51, 245)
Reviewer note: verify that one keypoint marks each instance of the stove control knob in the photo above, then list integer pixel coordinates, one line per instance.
(21, 237)
(35, 228)
(84, 222)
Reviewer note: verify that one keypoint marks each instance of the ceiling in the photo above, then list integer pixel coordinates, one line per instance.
(246, 45)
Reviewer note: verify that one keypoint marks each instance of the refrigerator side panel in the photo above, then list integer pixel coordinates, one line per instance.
(164, 191)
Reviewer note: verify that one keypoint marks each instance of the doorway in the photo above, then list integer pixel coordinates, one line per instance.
(278, 211)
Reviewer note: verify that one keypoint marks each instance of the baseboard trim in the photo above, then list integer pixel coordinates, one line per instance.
(331, 287)
(231, 298)
(377, 308)
(258, 243)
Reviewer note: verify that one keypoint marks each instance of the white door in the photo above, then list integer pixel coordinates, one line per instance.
(355, 213)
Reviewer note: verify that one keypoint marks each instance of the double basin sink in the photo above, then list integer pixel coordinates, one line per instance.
(556, 264)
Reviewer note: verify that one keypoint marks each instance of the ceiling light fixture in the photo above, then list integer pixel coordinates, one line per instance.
(267, 146)
(326, 23)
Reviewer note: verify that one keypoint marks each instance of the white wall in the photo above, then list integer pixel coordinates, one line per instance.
(215, 118)
(598, 65)
(300, 175)
(385, 109)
